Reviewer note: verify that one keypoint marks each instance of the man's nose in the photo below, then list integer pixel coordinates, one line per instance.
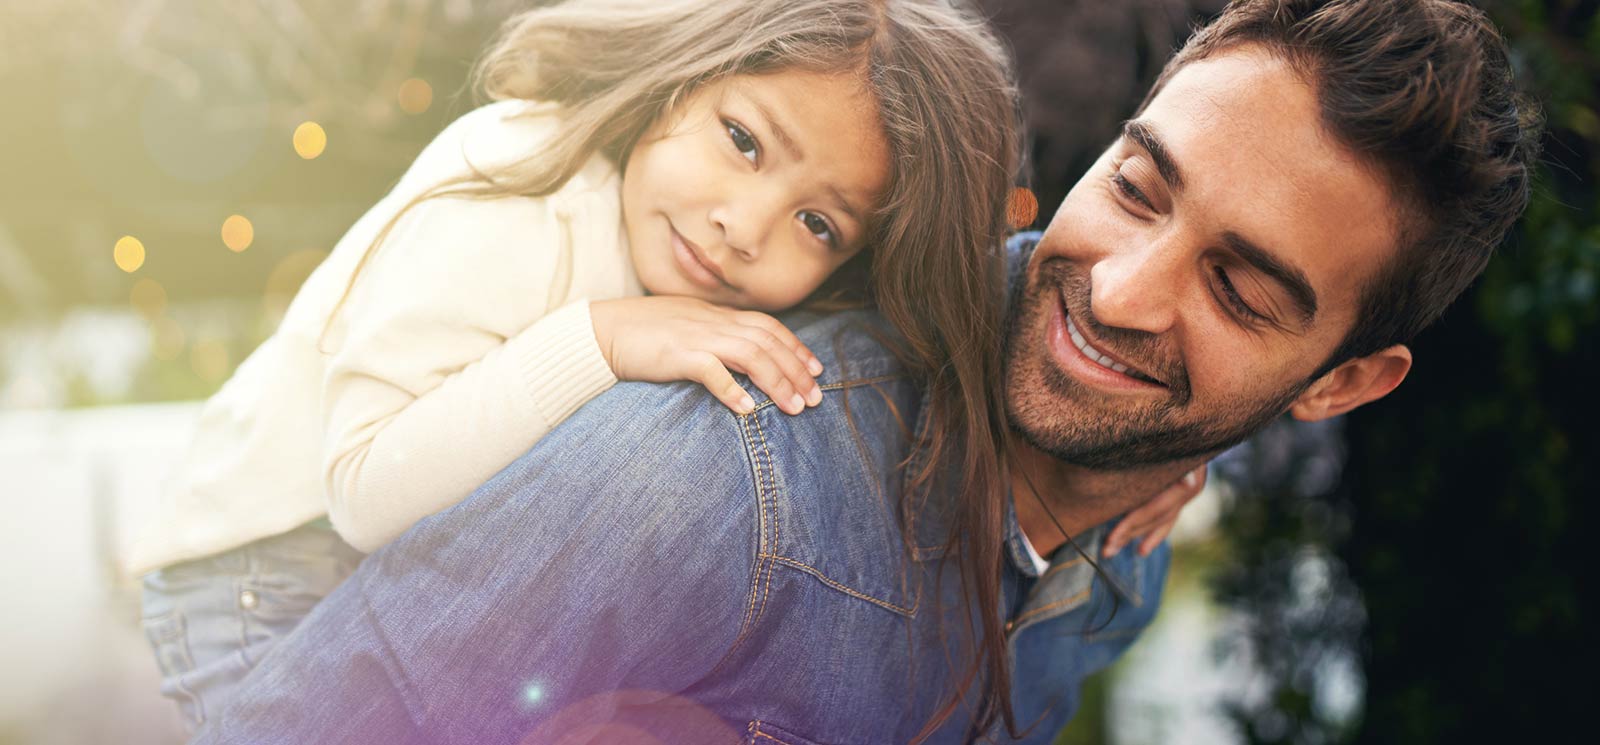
(1139, 288)
(747, 218)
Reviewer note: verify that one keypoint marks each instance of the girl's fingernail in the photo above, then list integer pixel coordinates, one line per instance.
(815, 396)
(814, 366)
(747, 405)
(797, 403)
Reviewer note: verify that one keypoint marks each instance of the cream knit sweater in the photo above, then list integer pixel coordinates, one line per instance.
(464, 340)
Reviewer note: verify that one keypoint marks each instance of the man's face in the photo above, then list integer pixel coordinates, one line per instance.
(1198, 275)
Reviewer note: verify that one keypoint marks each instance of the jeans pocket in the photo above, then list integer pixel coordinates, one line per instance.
(169, 638)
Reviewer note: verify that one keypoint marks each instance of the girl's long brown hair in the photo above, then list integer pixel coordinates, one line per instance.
(934, 268)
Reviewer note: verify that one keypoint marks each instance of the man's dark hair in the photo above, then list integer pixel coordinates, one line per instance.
(1424, 90)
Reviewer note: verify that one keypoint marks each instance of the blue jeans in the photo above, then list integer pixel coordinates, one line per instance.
(211, 620)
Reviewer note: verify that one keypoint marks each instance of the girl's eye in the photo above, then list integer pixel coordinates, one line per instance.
(818, 226)
(742, 140)
(1130, 191)
(1234, 299)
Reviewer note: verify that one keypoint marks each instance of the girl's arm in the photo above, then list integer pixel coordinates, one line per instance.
(456, 356)
(442, 380)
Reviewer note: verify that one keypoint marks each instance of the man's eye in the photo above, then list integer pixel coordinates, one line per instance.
(1130, 191)
(742, 140)
(820, 227)
(1231, 294)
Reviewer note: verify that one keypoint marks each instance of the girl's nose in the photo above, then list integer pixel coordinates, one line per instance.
(747, 220)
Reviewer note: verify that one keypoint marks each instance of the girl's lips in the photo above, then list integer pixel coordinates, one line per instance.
(697, 270)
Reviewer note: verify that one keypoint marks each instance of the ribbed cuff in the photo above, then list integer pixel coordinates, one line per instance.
(561, 361)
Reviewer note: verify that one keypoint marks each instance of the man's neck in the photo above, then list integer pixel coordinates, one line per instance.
(1078, 498)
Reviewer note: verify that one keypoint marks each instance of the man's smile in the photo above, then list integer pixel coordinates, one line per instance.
(1076, 351)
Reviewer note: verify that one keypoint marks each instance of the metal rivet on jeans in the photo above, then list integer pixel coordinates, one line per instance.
(248, 600)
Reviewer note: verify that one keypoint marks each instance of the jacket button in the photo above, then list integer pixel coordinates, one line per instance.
(248, 600)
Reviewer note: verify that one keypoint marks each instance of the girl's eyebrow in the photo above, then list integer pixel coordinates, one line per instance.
(792, 146)
(845, 205)
(778, 131)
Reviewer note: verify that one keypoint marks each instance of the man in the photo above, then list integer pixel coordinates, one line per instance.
(1307, 186)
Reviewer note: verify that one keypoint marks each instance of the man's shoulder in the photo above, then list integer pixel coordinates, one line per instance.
(852, 345)
(829, 479)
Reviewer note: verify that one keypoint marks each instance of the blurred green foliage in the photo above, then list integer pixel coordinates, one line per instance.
(1456, 573)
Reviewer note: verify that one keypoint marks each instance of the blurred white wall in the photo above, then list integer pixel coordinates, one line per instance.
(76, 667)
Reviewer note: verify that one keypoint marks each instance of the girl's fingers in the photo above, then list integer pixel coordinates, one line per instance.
(750, 358)
(788, 362)
(709, 372)
(1156, 537)
(756, 319)
(1157, 516)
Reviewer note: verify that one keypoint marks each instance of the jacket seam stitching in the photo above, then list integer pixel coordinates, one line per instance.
(1065, 565)
(772, 494)
(846, 589)
(841, 385)
(1081, 594)
(755, 731)
(748, 622)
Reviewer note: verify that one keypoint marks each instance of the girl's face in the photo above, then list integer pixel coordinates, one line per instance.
(754, 189)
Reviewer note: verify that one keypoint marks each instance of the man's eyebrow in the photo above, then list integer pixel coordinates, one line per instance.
(777, 129)
(1147, 138)
(1290, 277)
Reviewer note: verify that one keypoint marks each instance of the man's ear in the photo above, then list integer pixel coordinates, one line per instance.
(1353, 383)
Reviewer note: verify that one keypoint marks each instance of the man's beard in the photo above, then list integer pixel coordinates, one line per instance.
(1059, 415)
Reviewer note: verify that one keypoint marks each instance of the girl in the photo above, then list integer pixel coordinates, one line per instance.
(717, 154)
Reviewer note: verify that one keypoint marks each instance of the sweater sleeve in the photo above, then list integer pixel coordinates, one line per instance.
(455, 358)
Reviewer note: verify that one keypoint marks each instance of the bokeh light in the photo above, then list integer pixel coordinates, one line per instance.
(237, 233)
(415, 96)
(1022, 208)
(310, 140)
(148, 297)
(128, 253)
(209, 358)
(168, 339)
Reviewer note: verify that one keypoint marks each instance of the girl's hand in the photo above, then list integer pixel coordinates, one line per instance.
(1154, 519)
(665, 338)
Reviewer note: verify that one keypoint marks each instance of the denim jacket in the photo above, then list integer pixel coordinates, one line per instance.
(659, 564)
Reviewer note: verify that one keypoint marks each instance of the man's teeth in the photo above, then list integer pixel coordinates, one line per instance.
(1100, 358)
